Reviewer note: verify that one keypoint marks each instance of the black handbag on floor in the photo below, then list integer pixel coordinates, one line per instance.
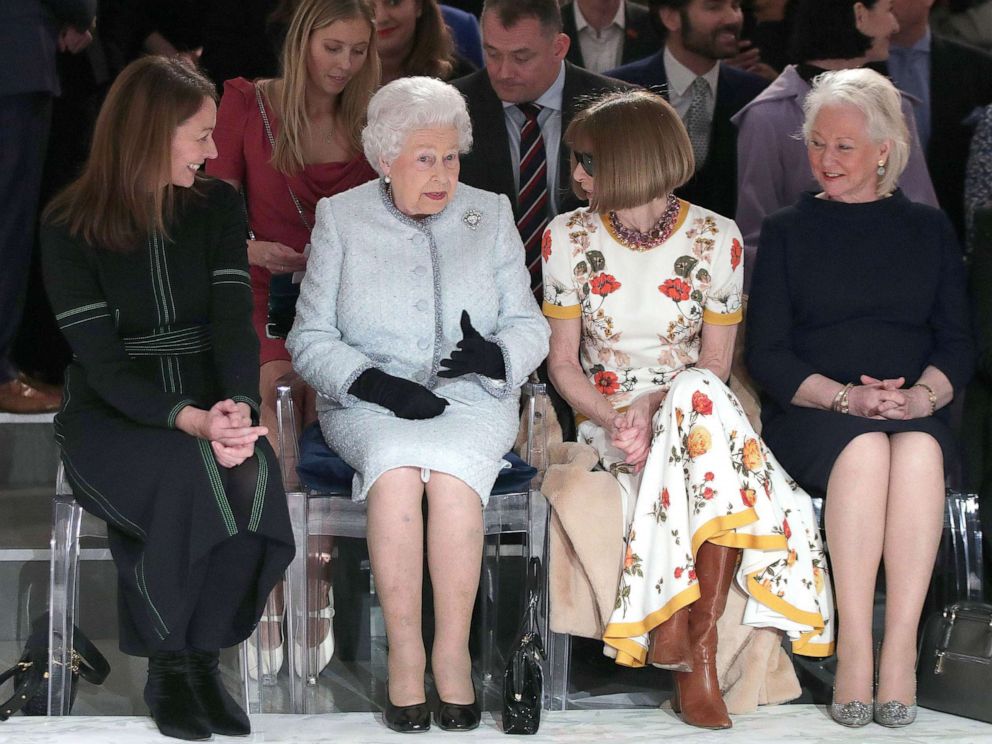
(955, 668)
(523, 680)
(30, 673)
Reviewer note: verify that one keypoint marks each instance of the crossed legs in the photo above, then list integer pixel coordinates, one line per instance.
(884, 498)
(454, 554)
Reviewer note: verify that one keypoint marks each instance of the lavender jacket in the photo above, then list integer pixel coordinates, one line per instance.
(772, 166)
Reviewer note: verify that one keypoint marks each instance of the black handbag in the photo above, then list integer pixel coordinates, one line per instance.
(30, 673)
(523, 680)
(954, 674)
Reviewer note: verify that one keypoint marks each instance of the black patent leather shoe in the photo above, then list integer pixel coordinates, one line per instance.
(407, 719)
(455, 717)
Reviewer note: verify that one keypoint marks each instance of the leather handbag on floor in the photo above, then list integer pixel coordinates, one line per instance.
(523, 680)
(955, 664)
(30, 673)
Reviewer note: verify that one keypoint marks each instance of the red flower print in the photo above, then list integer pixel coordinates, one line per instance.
(606, 382)
(546, 245)
(736, 251)
(701, 403)
(677, 289)
(666, 501)
(786, 529)
(692, 574)
(678, 572)
(604, 284)
(708, 477)
(708, 493)
(747, 496)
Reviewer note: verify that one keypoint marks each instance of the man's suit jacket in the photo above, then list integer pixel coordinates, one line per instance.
(640, 36)
(960, 83)
(714, 186)
(489, 166)
(29, 31)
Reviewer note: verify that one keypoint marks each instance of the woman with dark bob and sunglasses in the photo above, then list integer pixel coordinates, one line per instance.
(643, 294)
(145, 266)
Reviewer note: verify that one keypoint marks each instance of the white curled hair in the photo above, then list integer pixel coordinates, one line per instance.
(405, 105)
(880, 103)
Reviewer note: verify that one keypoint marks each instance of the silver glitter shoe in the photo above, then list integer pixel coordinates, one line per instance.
(895, 714)
(853, 714)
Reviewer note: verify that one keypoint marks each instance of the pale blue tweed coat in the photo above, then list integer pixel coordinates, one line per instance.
(384, 290)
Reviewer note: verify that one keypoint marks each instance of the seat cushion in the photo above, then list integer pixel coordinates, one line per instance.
(321, 470)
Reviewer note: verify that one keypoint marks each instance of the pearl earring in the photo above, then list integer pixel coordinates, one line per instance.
(881, 168)
(388, 180)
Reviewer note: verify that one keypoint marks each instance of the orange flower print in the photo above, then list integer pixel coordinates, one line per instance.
(791, 559)
(679, 417)
(606, 382)
(546, 245)
(678, 572)
(692, 574)
(604, 284)
(752, 455)
(708, 493)
(701, 403)
(786, 529)
(699, 441)
(677, 289)
(818, 579)
(666, 500)
(628, 559)
(747, 496)
(736, 251)
(708, 477)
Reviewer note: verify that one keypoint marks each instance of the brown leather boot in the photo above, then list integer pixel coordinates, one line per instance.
(698, 692)
(669, 643)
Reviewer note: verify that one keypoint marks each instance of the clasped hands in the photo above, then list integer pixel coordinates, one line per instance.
(631, 432)
(410, 400)
(885, 399)
(228, 428)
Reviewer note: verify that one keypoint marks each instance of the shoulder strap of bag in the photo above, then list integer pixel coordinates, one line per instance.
(28, 688)
(272, 142)
(535, 592)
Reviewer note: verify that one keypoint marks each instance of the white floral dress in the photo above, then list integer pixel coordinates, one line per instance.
(709, 477)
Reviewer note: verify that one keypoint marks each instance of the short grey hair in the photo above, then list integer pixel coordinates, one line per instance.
(880, 103)
(405, 105)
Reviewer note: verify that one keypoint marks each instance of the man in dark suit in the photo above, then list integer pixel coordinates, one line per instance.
(687, 71)
(525, 51)
(31, 31)
(608, 33)
(953, 81)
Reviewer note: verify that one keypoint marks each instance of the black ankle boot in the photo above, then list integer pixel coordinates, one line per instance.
(223, 713)
(170, 699)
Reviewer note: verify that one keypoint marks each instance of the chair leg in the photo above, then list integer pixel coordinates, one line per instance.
(63, 598)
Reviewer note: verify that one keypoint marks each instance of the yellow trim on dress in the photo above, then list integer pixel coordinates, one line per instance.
(561, 312)
(754, 542)
(723, 319)
(718, 527)
(619, 635)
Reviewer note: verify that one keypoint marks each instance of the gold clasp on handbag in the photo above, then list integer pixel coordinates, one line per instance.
(25, 665)
(939, 666)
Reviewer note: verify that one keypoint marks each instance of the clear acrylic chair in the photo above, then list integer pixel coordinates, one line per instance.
(63, 596)
(312, 512)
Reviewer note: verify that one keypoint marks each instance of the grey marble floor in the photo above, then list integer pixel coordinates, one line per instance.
(782, 725)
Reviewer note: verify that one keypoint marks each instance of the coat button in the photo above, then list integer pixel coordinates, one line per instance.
(424, 344)
(419, 376)
(420, 270)
(421, 305)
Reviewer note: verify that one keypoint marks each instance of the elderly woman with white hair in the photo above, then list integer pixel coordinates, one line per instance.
(416, 326)
(858, 333)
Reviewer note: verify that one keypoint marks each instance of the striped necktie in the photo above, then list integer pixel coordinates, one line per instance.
(532, 197)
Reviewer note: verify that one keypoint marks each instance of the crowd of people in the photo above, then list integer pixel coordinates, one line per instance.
(416, 207)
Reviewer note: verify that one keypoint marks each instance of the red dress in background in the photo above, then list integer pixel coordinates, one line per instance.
(244, 155)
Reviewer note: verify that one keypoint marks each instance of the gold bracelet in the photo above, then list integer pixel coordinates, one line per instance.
(840, 400)
(930, 394)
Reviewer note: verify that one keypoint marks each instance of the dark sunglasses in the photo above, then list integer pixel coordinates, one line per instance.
(587, 162)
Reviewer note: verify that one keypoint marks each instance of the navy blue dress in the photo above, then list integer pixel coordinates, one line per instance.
(849, 289)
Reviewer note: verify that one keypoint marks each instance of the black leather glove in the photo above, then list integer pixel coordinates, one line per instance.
(406, 399)
(474, 354)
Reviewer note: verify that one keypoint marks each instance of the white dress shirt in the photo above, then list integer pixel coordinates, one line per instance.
(681, 77)
(601, 50)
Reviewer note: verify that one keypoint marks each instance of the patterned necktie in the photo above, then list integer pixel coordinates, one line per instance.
(697, 120)
(532, 196)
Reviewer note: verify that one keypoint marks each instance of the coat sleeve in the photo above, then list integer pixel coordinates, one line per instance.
(234, 341)
(915, 180)
(770, 356)
(320, 355)
(760, 172)
(522, 332)
(83, 316)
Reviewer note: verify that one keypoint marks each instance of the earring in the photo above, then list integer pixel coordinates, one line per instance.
(388, 180)
(881, 168)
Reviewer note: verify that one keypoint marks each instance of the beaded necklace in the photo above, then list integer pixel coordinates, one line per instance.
(658, 234)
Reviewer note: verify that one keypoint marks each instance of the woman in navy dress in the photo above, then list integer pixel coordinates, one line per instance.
(858, 333)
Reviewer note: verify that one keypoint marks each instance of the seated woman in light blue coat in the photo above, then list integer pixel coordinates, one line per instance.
(416, 327)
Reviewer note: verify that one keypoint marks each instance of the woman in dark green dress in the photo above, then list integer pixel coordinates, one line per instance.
(146, 269)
